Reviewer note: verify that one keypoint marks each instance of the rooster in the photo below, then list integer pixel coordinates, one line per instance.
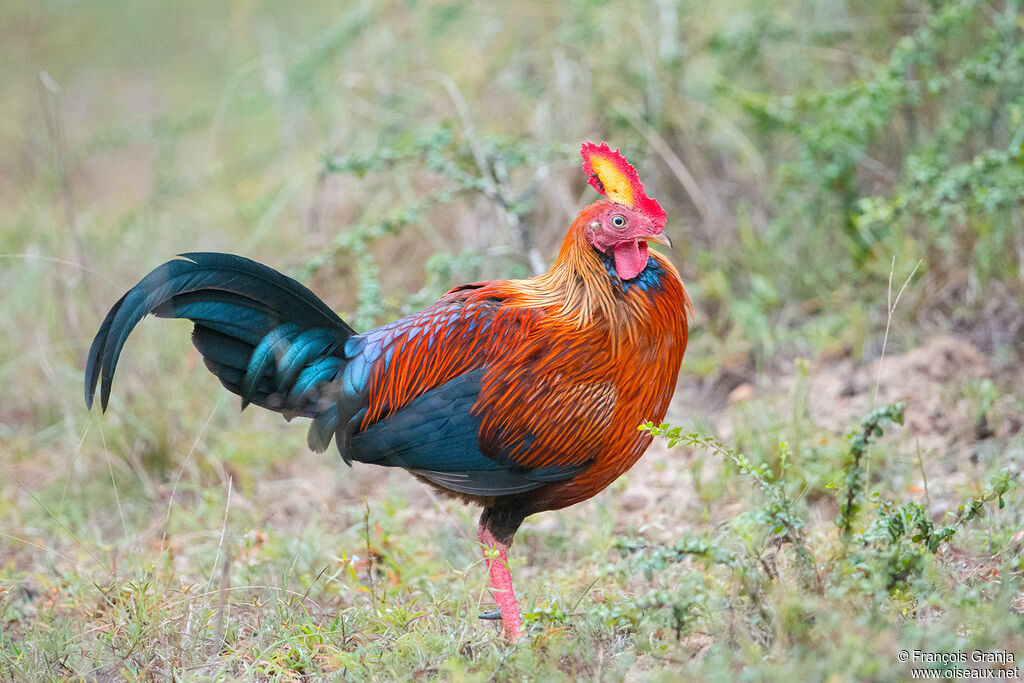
(515, 395)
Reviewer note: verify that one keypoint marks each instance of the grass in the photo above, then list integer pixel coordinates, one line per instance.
(811, 159)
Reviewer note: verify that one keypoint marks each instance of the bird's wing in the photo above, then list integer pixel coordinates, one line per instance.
(436, 436)
(419, 380)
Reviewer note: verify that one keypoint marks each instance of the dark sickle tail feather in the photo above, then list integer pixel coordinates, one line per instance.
(266, 337)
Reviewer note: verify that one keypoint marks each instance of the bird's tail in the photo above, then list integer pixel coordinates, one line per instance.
(266, 337)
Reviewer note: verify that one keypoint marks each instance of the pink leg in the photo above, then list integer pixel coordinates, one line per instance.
(501, 584)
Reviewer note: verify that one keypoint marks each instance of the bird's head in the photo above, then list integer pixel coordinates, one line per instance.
(621, 225)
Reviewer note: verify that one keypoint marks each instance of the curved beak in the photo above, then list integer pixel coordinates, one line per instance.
(660, 238)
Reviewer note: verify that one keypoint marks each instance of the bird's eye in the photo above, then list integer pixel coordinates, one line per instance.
(619, 221)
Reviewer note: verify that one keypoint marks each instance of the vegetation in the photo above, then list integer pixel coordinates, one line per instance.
(844, 184)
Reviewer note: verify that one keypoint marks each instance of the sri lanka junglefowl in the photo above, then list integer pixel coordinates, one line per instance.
(516, 395)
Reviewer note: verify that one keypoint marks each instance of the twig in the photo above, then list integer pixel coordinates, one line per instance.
(36, 545)
(49, 94)
(369, 557)
(49, 91)
(71, 466)
(66, 262)
(584, 594)
(222, 601)
(924, 475)
(322, 571)
(888, 321)
(223, 532)
(216, 558)
(56, 519)
(181, 470)
(891, 309)
(117, 496)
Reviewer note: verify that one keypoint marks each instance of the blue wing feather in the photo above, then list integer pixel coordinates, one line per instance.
(436, 436)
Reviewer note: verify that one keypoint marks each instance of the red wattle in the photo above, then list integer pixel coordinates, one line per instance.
(630, 258)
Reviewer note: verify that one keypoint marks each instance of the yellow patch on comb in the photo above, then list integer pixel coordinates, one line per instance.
(617, 185)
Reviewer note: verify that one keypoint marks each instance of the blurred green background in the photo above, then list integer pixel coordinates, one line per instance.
(813, 157)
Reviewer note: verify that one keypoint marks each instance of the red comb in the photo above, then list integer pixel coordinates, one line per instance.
(613, 176)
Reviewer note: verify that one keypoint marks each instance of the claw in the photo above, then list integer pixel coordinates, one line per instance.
(492, 616)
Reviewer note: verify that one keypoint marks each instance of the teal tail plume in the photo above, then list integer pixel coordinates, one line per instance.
(265, 336)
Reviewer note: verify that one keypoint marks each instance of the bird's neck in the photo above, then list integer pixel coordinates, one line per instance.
(583, 283)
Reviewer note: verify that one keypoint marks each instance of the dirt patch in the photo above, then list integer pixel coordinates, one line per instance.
(955, 417)
(931, 381)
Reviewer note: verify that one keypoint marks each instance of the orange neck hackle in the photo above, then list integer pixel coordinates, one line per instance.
(579, 287)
